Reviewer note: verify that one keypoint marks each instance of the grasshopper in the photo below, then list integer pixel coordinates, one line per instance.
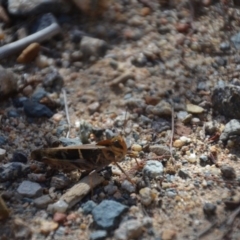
(88, 157)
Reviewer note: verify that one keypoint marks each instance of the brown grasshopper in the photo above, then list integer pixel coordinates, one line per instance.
(87, 157)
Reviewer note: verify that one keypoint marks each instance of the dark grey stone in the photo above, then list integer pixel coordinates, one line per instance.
(18, 102)
(183, 174)
(53, 82)
(108, 213)
(228, 172)
(3, 140)
(225, 100)
(36, 110)
(11, 171)
(19, 156)
(209, 209)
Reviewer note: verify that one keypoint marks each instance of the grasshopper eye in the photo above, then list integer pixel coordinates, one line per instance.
(117, 144)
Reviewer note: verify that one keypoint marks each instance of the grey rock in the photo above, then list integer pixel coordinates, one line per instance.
(225, 46)
(181, 115)
(3, 140)
(236, 40)
(53, 82)
(131, 229)
(153, 169)
(228, 172)
(204, 160)
(171, 193)
(129, 187)
(88, 206)
(135, 103)
(225, 100)
(183, 174)
(221, 61)
(108, 213)
(8, 83)
(109, 134)
(60, 181)
(13, 113)
(211, 127)
(110, 189)
(93, 47)
(162, 109)
(209, 209)
(27, 8)
(98, 235)
(11, 171)
(38, 94)
(43, 201)
(36, 110)
(159, 149)
(30, 189)
(19, 156)
(232, 128)
(70, 141)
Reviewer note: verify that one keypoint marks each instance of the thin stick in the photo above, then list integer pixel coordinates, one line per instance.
(205, 231)
(40, 36)
(172, 134)
(66, 110)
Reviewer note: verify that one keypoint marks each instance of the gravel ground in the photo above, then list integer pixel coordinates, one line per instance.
(162, 74)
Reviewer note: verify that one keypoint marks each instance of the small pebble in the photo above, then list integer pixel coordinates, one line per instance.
(228, 172)
(178, 143)
(59, 217)
(2, 153)
(43, 201)
(48, 226)
(131, 229)
(191, 108)
(59, 206)
(129, 187)
(19, 156)
(160, 150)
(30, 189)
(136, 147)
(209, 209)
(29, 53)
(146, 196)
(98, 235)
(195, 121)
(183, 174)
(192, 158)
(110, 189)
(153, 169)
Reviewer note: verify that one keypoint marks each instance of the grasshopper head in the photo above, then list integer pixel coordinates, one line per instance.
(119, 147)
(116, 149)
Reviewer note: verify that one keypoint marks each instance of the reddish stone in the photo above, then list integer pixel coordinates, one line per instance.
(59, 217)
